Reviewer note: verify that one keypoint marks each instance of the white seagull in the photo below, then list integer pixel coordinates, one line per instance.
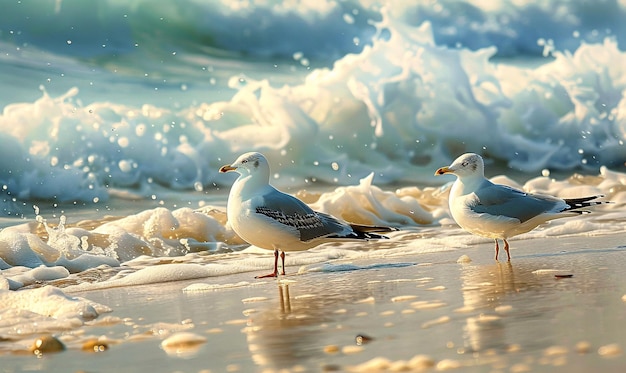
(498, 211)
(270, 219)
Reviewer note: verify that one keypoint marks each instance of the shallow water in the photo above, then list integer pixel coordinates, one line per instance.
(479, 315)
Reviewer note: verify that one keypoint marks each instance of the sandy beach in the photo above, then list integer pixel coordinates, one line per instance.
(557, 306)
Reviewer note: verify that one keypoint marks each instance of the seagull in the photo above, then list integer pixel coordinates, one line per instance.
(498, 211)
(270, 219)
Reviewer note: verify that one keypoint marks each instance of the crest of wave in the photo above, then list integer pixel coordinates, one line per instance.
(400, 108)
(406, 104)
(569, 112)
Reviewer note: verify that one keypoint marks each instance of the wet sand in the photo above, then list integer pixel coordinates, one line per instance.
(425, 311)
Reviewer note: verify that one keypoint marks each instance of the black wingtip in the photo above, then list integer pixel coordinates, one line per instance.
(372, 228)
(578, 203)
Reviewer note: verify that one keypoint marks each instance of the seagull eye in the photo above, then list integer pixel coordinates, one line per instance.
(244, 161)
(464, 164)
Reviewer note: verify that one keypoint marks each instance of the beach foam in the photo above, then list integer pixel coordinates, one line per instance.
(163, 245)
(40, 311)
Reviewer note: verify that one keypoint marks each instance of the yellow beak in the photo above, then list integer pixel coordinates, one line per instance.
(227, 168)
(442, 171)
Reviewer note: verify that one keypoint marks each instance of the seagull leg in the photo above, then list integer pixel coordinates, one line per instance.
(497, 249)
(282, 257)
(506, 248)
(275, 273)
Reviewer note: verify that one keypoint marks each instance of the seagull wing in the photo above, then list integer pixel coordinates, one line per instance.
(290, 211)
(500, 200)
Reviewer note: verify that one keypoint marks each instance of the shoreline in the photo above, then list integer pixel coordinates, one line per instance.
(477, 316)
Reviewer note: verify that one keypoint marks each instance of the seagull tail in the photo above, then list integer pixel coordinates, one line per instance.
(574, 204)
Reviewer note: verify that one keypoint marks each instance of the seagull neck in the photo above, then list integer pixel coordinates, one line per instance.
(467, 185)
(249, 182)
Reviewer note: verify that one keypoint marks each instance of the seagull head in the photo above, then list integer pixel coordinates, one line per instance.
(248, 164)
(467, 165)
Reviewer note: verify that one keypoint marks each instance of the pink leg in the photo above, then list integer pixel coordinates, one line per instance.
(275, 273)
(282, 256)
(497, 249)
(506, 248)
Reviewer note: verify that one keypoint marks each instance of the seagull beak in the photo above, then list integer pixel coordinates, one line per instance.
(443, 171)
(227, 168)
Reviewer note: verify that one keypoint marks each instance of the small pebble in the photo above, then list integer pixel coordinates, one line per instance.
(421, 362)
(555, 351)
(183, 340)
(236, 322)
(94, 345)
(399, 366)
(610, 350)
(464, 259)
(424, 305)
(47, 344)
(331, 349)
(583, 347)
(351, 349)
(403, 298)
(447, 364)
(362, 339)
(377, 364)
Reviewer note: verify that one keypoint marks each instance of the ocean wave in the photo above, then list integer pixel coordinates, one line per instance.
(400, 108)
(318, 30)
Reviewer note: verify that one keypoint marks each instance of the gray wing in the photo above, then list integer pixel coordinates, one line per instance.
(505, 201)
(292, 212)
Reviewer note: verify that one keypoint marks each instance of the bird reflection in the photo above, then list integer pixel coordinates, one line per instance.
(283, 335)
(292, 330)
(285, 300)
(488, 293)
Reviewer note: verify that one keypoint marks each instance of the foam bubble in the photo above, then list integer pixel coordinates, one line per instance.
(44, 310)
